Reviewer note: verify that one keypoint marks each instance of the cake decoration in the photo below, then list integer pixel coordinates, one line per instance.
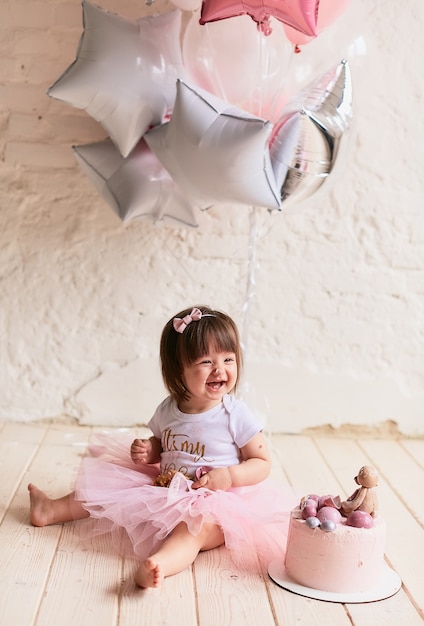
(365, 498)
(358, 511)
(360, 519)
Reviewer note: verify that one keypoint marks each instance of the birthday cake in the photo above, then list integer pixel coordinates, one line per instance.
(338, 546)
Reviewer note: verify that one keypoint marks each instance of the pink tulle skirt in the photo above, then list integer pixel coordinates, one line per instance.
(120, 495)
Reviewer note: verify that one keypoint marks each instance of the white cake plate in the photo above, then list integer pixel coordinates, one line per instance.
(389, 585)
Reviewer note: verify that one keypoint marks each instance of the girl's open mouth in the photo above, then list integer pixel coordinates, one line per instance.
(216, 385)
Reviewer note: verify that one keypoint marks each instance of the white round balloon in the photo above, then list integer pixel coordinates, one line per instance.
(234, 61)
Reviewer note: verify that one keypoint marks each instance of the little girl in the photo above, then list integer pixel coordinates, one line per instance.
(200, 480)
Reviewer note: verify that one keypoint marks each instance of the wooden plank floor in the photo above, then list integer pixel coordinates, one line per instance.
(49, 577)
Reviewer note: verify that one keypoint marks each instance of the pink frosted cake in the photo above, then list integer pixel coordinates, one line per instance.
(346, 559)
(337, 546)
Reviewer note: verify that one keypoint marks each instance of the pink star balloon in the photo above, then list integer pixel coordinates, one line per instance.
(124, 73)
(136, 186)
(302, 15)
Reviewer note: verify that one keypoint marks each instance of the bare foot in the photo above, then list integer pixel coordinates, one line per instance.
(149, 574)
(41, 513)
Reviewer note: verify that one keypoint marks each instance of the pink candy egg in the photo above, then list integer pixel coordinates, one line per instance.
(309, 510)
(359, 519)
(329, 514)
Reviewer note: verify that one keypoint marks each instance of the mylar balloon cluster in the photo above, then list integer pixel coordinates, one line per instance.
(199, 131)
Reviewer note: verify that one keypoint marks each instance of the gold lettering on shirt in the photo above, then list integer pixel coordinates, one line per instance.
(180, 442)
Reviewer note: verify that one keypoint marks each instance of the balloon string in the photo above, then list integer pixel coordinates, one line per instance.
(213, 72)
(262, 59)
(276, 102)
(250, 286)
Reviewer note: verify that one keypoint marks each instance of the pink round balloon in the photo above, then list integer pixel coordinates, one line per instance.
(301, 15)
(328, 12)
(239, 65)
(349, 37)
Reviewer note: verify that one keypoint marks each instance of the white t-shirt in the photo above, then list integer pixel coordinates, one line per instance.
(212, 438)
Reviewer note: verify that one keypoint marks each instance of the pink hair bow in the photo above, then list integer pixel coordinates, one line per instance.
(181, 324)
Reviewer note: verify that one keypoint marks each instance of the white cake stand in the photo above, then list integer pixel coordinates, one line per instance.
(389, 584)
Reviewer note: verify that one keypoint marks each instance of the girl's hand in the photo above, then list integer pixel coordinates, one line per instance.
(218, 478)
(141, 451)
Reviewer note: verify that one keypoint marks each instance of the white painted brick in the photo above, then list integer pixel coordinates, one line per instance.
(67, 15)
(32, 154)
(24, 98)
(31, 15)
(74, 128)
(10, 69)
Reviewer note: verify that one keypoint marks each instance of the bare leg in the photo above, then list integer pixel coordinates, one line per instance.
(176, 553)
(45, 510)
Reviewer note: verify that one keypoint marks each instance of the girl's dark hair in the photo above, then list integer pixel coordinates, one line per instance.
(178, 350)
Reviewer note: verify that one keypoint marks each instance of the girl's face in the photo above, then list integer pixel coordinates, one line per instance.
(208, 379)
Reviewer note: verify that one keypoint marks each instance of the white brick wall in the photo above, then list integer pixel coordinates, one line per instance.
(335, 327)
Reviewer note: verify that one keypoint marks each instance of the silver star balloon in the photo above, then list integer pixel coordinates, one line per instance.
(216, 152)
(136, 186)
(308, 138)
(124, 73)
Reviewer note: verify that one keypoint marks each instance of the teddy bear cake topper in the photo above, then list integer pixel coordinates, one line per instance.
(365, 497)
